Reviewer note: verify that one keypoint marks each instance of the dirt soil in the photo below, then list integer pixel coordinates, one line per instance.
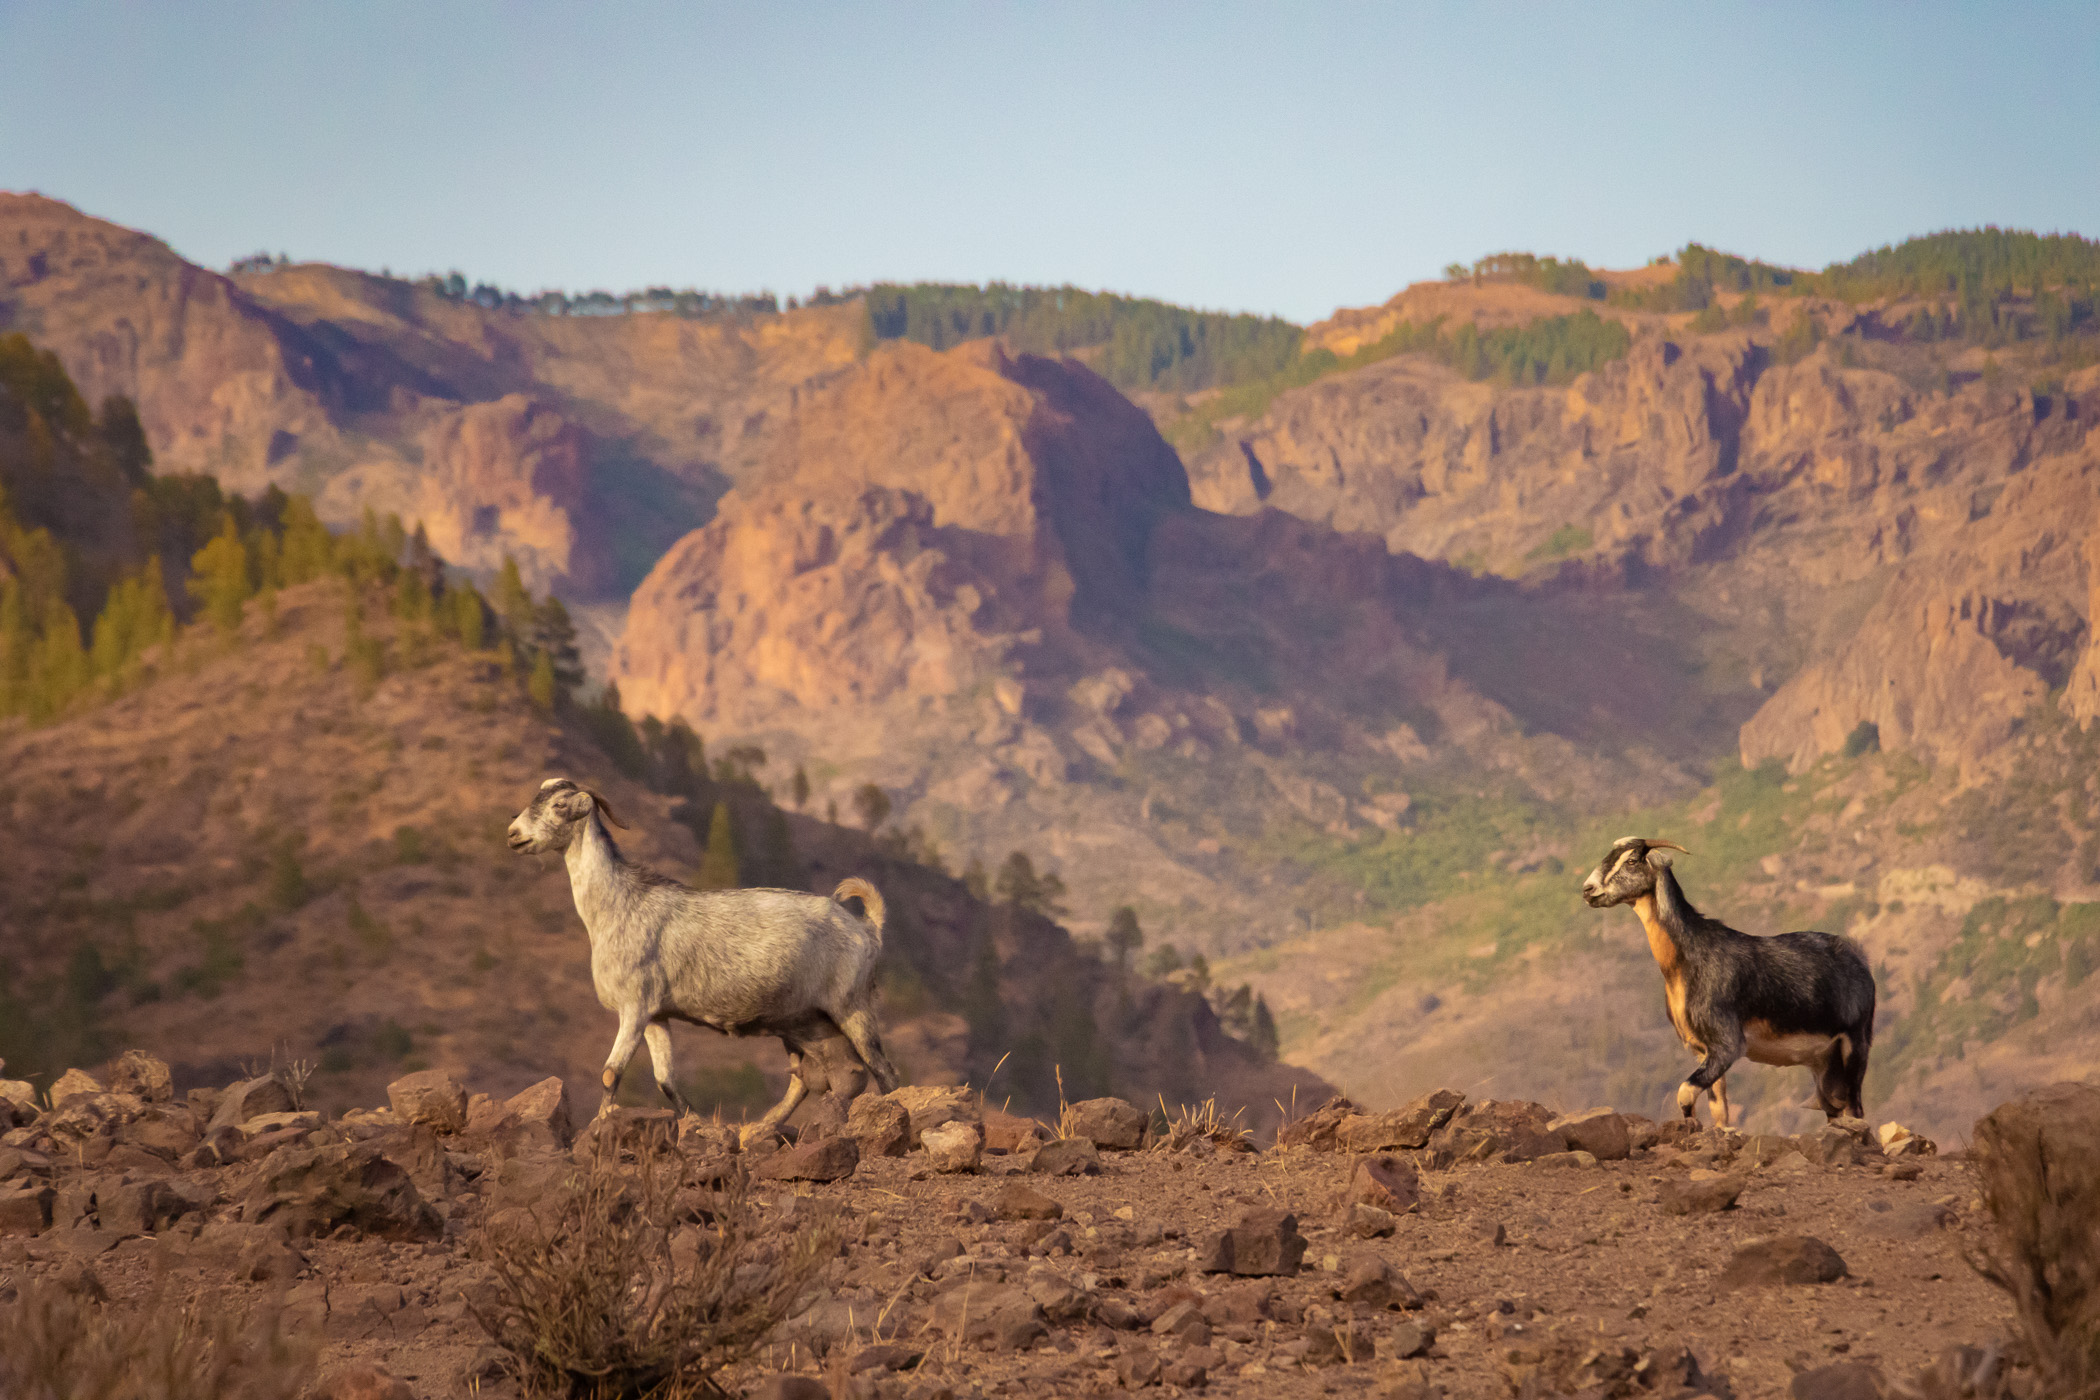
(1560, 1275)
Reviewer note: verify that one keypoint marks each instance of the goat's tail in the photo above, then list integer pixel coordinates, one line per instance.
(869, 896)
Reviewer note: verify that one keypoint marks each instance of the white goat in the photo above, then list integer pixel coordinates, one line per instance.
(745, 962)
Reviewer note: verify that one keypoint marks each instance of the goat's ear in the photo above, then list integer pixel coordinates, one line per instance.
(574, 805)
(605, 810)
(1659, 859)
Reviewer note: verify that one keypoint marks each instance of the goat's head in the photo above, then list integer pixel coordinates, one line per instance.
(557, 813)
(1629, 870)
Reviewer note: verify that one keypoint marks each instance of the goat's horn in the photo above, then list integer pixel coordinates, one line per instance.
(1667, 846)
(610, 814)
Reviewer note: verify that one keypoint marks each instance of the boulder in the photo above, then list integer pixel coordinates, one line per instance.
(313, 1190)
(1601, 1132)
(267, 1093)
(931, 1105)
(1073, 1156)
(1408, 1127)
(1016, 1201)
(1008, 1132)
(641, 1131)
(142, 1076)
(954, 1146)
(1787, 1259)
(1318, 1129)
(1390, 1183)
(1111, 1124)
(164, 1129)
(1375, 1283)
(1184, 1322)
(880, 1125)
(430, 1097)
(75, 1084)
(542, 1113)
(26, 1208)
(1496, 1130)
(1680, 1196)
(997, 1314)
(1264, 1244)
(140, 1207)
(812, 1159)
(250, 1253)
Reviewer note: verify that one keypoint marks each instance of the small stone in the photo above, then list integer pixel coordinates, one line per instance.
(1390, 1183)
(822, 1159)
(954, 1146)
(1265, 1243)
(238, 1103)
(1408, 1127)
(1015, 1201)
(1111, 1124)
(879, 1125)
(1336, 1343)
(1601, 1132)
(1686, 1197)
(1848, 1380)
(1000, 1315)
(75, 1084)
(1138, 1367)
(1490, 1233)
(430, 1097)
(884, 1357)
(274, 1122)
(364, 1383)
(542, 1113)
(1318, 1129)
(1375, 1283)
(1369, 1222)
(1913, 1221)
(787, 1387)
(1190, 1370)
(1787, 1259)
(1411, 1338)
(26, 1209)
(1067, 1157)
(1903, 1171)
(1185, 1322)
(1577, 1159)
(140, 1074)
(931, 1105)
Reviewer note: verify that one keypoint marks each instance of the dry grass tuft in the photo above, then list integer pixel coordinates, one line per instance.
(1203, 1121)
(58, 1345)
(622, 1281)
(2038, 1163)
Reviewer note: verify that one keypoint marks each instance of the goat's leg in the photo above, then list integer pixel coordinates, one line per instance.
(1702, 1080)
(625, 1044)
(658, 1035)
(1722, 1112)
(789, 1102)
(859, 1027)
(1851, 1077)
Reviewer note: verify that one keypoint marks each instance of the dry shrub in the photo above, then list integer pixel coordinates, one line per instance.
(620, 1280)
(1203, 1121)
(2038, 1163)
(60, 1345)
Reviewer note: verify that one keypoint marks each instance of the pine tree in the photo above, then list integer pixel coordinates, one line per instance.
(872, 803)
(798, 788)
(983, 1011)
(469, 623)
(541, 687)
(1125, 936)
(221, 583)
(58, 664)
(513, 602)
(15, 642)
(1264, 1038)
(555, 637)
(308, 550)
(975, 880)
(777, 852)
(719, 868)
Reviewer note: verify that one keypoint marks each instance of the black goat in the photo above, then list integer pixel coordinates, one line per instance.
(1785, 999)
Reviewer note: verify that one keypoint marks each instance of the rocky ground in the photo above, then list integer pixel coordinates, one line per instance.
(1483, 1249)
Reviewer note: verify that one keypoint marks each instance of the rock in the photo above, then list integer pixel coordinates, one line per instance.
(880, 1125)
(1376, 1283)
(266, 1093)
(1370, 1222)
(1602, 1133)
(164, 1129)
(1318, 1129)
(1899, 1141)
(75, 1084)
(1565, 1159)
(430, 1097)
(1073, 1156)
(541, 1114)
(141, 1207)
(1903, 1171)
(314, 1190)
(1390, 1183)
(637, 1131)
(931, 1105)
(1337, 1343)
(1684, 1197)
(141, 1075)
(305, 1121)
(25, 1209)
(1787, 1259)
(76, 1278)
(787, 1387)
(954, 1146)
(1411, 1338)
(1015, 1201)
(884, 1356)
(363, 1383)
(1138, 1367)
(251, 1253)
(1495, 1130)
(1404, 1127)
(1009, 1132)
(1848, 1380)
(1183, 1322)
(1191, 1370)
(997, 1314)
(1264, 1244)
(821, 1159)
(1111, 1124)
(1490, 1233)
(1912, 1221)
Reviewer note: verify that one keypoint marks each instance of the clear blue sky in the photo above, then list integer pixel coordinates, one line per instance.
(1286, 158)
